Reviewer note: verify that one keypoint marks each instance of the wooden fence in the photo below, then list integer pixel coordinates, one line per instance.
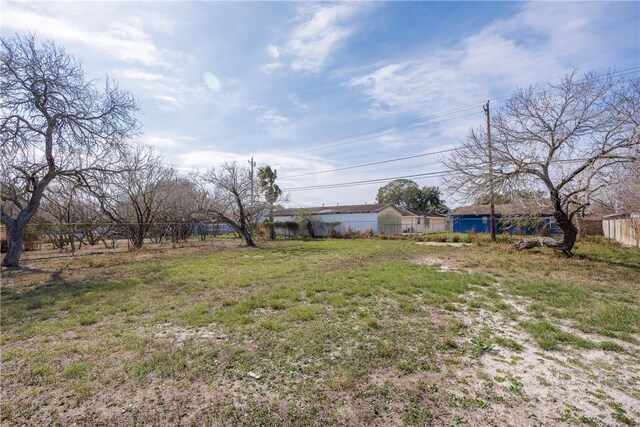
(622, 228)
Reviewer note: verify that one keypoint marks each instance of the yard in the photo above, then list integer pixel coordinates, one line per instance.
(327, 332)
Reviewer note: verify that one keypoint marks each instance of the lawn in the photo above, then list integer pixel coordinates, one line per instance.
(327, 332)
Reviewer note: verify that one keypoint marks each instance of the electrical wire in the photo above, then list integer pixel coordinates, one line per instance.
(372, 163)
(363, 182)
(404, 126)
(388, 130)
(414, 176)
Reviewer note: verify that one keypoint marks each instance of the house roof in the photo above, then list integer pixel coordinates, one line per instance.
(325, 210)
(523, 207)
(409, 212)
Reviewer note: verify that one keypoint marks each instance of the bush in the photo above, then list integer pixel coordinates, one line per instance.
(335, 233)
(350, 233)
(469, 238)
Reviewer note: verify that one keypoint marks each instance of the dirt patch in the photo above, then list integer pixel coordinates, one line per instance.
(178, 334)
(441, 265)
(564, 387)
(454, 244)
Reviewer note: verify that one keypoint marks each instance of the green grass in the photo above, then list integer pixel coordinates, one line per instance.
(550, 337)
(324, 323)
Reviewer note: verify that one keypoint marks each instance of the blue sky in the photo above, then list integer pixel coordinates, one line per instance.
(221, 81)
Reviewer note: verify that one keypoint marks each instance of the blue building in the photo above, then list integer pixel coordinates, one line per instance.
(526, 217)
(214, 229)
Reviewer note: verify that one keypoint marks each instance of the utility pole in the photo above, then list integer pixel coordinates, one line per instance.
(252, 163)
(492, 212)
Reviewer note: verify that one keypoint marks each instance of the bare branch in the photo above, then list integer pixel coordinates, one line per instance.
(566, 139)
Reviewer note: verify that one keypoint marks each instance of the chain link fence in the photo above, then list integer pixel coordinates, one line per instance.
(49, 240)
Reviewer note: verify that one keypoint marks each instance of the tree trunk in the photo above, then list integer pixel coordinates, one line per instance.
(272, 229)
(245, 232)
(249, 239)
(16, 227)
(72, 243)
(15, 239)
(565, 245)
(135, 235)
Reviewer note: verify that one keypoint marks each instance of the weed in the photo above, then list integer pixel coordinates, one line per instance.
(302, 313)
(414, 413)
(508, 343)
(619, 414)
(481, 343)
(611, 346)
(550, 337)
(515, 386)
(87, 319)
(75, 370)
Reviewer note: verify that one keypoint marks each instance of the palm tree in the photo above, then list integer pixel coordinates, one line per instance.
(272, 192)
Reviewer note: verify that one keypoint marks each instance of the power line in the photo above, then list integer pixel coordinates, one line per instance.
(394, 129)
(404, 126)
(372, 163)
(401, 159)
(387, 130)
(368, 181)
(414, 176)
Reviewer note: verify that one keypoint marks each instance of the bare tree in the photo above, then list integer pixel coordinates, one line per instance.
(231, 199)
(184, 206)
(135, 198)
(69, 213)
(53, 124)
(58, 211)
(565, 140)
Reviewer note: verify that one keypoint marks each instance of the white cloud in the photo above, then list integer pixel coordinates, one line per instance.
(124, 40)
(272, 66)
(205, 159)
(170, 92)
(538, 44)
(168, 142)
(273, 51)
(211, 81)
(295, 100)
(142, 75)
(277, 124)
(321, 31)
(160, 142)
(168, 103)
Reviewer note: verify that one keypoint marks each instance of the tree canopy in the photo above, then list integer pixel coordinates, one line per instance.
(406, 193)
(54, 124)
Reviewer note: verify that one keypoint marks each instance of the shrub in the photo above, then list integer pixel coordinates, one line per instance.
(335, 233)
(367, 234)
(469, 238)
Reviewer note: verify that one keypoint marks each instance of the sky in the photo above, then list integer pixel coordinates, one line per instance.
(311, 87)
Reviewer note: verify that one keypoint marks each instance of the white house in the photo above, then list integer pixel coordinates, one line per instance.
(379, 218)
(422, 222)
